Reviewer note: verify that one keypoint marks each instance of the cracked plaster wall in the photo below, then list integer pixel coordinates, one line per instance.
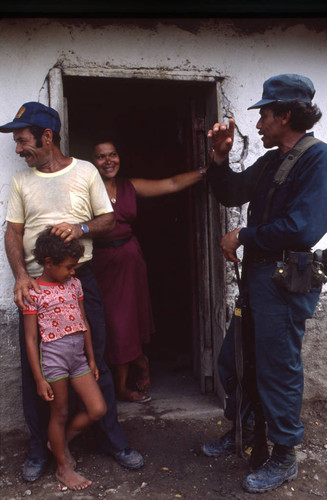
(240, 53)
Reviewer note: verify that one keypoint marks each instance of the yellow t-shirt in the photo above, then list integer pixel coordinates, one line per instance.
(75, 194)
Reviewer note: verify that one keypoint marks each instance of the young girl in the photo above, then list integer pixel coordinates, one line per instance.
(65, 351)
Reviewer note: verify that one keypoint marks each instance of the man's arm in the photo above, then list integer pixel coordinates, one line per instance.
(15, 253)
(98, 225)
(229, 188)
(223, 180)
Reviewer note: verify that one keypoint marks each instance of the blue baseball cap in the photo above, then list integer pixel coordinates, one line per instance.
(285, 88)
(34, 113)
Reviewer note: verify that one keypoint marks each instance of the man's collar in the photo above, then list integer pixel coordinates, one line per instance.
(297, 142)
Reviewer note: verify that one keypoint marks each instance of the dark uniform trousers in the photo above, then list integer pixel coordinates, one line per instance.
(277, 324)
(110, 436)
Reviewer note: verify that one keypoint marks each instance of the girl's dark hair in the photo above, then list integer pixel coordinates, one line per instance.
(37, 132)
(303, 116)
(50, 245)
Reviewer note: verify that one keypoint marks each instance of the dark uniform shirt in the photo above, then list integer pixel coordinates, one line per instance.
(298, 213)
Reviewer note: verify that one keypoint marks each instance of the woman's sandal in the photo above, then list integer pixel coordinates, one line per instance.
(136, 397)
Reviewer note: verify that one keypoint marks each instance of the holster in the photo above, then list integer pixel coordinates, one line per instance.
(298, 272)
(324, 258)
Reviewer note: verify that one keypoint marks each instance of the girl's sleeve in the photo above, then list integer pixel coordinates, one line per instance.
(79, 290)
(30, 309)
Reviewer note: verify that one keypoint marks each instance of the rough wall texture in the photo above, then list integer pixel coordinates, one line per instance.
(238, 54)
(10, 388)
(314, 354)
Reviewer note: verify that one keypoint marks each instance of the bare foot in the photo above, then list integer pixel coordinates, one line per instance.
(143, 384)
(72, 479)
(70, 459)
(143, 381)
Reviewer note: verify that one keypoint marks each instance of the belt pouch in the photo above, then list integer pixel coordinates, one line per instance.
(300, 271)
(295, 273)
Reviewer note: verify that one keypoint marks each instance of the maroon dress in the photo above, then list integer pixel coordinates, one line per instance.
(122, 277)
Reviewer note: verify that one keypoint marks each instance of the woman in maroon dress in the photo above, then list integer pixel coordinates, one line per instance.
(121, 272)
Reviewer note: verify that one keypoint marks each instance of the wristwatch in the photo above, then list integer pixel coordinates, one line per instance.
(84, 228)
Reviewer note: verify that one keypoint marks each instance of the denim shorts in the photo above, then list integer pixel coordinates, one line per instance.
(63, 358)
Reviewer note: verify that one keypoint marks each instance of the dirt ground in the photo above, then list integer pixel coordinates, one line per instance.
(174, 466)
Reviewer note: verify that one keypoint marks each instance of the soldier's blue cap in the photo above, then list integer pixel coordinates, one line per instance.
(34, 113)
(286, 88)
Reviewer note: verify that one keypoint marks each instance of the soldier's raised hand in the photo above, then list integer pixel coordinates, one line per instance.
(222, 137)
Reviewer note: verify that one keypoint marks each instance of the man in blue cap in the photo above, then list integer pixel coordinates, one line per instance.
(68, 194)
(287, 216)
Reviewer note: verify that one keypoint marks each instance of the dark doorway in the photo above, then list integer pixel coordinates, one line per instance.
(151, 123)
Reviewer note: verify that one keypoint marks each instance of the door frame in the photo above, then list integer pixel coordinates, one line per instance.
(211, 269)
(210, 295)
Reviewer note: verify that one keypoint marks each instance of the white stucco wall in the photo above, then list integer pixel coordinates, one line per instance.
(243, 54)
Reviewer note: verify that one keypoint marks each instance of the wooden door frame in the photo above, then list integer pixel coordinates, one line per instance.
(210, 295)
(211, 284)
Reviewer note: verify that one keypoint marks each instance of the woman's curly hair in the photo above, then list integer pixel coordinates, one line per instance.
(50, 245)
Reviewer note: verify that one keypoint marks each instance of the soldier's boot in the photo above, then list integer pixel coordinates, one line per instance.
(281, 467)
(225, 445)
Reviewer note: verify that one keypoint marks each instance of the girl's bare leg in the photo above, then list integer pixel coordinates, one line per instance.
(57, 437)
(89, 392)
(70, 457)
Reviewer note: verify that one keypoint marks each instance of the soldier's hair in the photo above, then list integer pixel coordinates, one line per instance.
(303, 115)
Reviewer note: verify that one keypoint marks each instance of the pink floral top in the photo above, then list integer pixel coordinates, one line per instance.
(57, 309)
